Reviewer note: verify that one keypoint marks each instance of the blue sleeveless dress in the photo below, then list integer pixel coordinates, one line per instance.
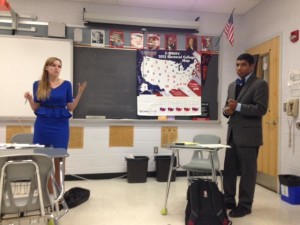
(51, 127)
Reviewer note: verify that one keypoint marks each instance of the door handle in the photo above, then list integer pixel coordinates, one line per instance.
(274, 122)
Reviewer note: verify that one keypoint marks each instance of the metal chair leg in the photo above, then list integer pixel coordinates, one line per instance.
(164, 211)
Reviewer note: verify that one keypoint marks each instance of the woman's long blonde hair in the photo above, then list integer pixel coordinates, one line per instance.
(43, 91)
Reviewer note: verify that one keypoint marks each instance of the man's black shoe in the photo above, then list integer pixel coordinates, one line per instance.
(230, 205)
(239, 211)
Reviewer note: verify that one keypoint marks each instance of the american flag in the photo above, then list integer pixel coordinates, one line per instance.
(4, 5)
(229, 29)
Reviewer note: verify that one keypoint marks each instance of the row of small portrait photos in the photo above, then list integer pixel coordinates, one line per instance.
(153, 40)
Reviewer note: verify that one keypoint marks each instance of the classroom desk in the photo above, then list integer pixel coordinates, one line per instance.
(54, 153)
(51, 152)
(176, 148)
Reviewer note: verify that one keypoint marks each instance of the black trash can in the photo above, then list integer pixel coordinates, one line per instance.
(290, 188)
(137, 168)
(162, 164)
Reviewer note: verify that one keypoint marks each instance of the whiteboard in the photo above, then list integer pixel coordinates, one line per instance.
(21, 63)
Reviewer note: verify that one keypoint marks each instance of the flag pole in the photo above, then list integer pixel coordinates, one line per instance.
(223, 31)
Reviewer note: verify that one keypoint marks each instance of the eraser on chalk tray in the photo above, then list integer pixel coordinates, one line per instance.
(95, 117)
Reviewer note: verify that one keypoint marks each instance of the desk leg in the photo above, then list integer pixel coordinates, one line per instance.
(62, 174)
(164, 211)
(213, 170)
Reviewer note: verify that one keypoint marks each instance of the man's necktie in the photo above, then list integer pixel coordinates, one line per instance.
(240, 82)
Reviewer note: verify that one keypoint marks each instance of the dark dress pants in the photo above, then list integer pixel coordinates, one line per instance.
(240, 160)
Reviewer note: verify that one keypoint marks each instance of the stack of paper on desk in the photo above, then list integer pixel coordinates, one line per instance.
(186, 143)
(19, 146)
(214, 146)
(202, 145)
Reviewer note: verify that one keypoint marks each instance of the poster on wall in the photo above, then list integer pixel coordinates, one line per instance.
(153, 41)
(294, 83)
(191, 43)
(170, 42)
(116, 39)
(97, 38)
(206, 43)
(137, 40)
(168, 83)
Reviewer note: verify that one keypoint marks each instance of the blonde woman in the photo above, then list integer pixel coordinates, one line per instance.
(52, 101)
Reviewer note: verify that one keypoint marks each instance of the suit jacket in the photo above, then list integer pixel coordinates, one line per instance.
(190, 49)
(246, 125)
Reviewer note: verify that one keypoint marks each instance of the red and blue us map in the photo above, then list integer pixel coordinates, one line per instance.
(168, 83)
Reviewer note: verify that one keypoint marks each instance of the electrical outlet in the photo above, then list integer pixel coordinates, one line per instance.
(155, 150)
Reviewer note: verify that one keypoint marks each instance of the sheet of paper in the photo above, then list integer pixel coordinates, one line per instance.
(187, 143)
(19, 146)
(213, 146)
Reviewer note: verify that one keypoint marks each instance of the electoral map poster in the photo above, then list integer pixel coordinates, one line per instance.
(168, 83)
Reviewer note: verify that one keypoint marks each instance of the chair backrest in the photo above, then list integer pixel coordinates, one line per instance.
(22, 138)
(24, 183)
(207, 139)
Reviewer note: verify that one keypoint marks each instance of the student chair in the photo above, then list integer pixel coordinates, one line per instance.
(22, 138)
(204, 162)
(24, 191)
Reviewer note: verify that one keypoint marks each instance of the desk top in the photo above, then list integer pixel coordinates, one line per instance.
(51, 152)
(196, 146)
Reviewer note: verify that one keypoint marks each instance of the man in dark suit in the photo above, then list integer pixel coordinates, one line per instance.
(246, 103)
(191, 45)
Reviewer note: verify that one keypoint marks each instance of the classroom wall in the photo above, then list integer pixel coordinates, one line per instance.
(278, 18)
(96, 156)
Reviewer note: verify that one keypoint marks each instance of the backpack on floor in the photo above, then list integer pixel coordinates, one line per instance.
(205, 204)
(76, 196)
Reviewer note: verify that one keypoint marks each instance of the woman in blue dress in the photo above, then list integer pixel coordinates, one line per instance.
(52, 102)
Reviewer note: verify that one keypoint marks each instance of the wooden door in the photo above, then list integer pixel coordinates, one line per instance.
(268, 69)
